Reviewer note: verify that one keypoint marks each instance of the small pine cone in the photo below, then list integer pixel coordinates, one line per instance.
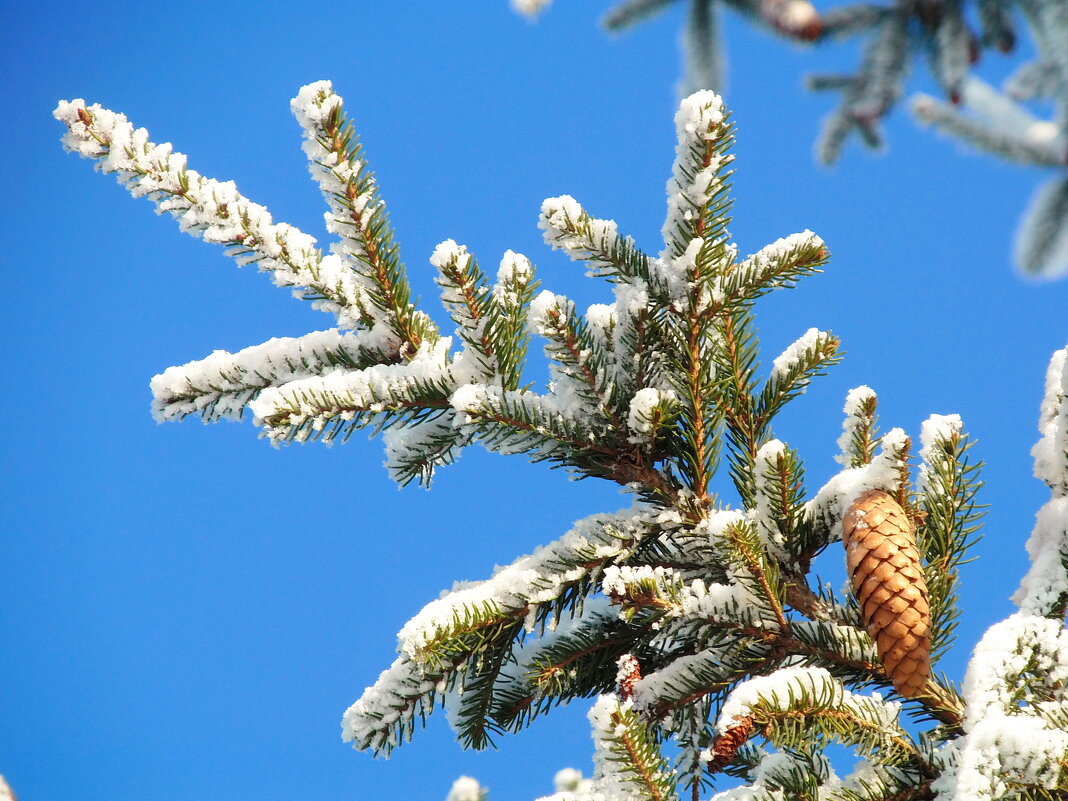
(888, 581)
(725, 746)
(628, 673)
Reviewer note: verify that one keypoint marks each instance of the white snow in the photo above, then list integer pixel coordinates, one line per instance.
(778, 689)
(395, 696)
(642, 411)
(855, 400)
(767, 528)
(835, 497)
(465, 789)
(566, 226)
(998, 752)
(568, 780)
(376, 388)
(797, 351)
(610, 782)
(530, 580)
(1046, 583)
(1006, 650)
(1051, 451)
(212, 210)
(515, 272)
(693, 182)
(225, 381)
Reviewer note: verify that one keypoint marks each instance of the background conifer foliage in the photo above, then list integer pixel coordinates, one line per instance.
(188, 612)
(1022, 122)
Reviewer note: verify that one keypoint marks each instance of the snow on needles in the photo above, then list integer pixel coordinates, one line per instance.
(1045, 587)
(1051, 451)
(1015, 684)
(377, 388)
(567, 227)
(530, 580)
(220, 385)
(884, 472)
(796, 353)
(695, 179)
(465, 789)
(210, 209)
(783, 689)
(856, 419)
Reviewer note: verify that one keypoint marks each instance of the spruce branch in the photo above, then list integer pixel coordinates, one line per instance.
(568, 227)
(217, 212)
(221, 385)
(951, 519)
(357, 213)
(798, 706)
(627, 760)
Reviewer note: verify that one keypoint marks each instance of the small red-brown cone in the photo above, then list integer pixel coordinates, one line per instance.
(725, 746)
(888, 581)
(628, 673)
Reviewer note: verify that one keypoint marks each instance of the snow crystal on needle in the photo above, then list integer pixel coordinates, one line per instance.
(788, 683)
(515, 271)
(610, 783)
(541, 307)
(567, 227)
(1045, 586)
(395, 695)
(692, 183)
(221, 384)
(772, 258)
(1001, 752)
(372, 389)
(447, 252)
(936, 429)
(767, 524)
(698, 116)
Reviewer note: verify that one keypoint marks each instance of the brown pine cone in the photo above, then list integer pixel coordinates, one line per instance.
(725, 746)
(888, 581)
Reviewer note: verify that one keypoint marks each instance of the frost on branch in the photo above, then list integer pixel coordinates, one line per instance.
(691, 618)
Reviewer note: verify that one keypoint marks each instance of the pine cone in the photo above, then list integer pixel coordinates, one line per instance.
(725, 746)
(888, 581)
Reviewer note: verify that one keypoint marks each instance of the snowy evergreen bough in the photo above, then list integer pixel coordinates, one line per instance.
(695, 621)
(951, 36)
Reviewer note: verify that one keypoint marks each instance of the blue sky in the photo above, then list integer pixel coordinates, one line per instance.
(186, 612)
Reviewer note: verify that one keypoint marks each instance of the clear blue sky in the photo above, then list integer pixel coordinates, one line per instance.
(184, 612)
